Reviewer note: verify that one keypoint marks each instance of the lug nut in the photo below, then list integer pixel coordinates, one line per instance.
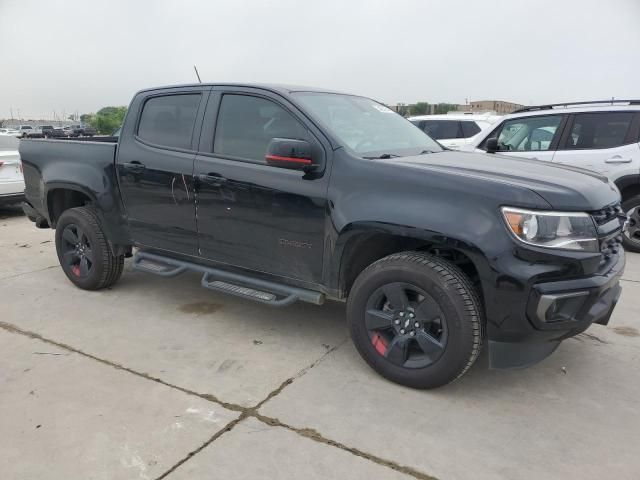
(416, 325)
(412, 333)
(402, 331)
(397, 322)
(411, 315)
(401, 314)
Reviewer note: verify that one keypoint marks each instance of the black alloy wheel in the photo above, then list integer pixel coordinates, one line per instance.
(76, 250)
(406, 325)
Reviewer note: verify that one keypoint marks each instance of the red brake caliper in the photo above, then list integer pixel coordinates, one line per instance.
(379, 343)
(76, 270)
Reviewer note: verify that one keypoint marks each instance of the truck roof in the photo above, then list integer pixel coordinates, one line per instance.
(278, 88)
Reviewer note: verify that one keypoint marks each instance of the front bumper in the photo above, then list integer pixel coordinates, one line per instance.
(556, 310)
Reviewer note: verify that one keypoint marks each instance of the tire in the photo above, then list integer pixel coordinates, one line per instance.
(631, 237)
(83, 251)
(439, 350)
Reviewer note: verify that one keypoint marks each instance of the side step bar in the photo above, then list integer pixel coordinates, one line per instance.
(244, 286)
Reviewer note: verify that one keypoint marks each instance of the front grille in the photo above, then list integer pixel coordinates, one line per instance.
(609, 232)
(606, 214)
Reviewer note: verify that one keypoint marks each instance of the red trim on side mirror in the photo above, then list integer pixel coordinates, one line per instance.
(277, 158)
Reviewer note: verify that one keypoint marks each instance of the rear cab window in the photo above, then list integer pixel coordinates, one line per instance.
(168, 120)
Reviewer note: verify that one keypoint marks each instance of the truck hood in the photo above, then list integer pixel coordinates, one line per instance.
(563, 187)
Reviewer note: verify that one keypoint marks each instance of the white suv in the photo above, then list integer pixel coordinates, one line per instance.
(599, 136)
(454, 130)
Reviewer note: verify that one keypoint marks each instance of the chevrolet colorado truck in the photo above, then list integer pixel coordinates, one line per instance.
(280, 194)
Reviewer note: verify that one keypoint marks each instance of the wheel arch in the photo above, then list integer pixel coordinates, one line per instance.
(629, 186)
(361, 244)
(63, 196)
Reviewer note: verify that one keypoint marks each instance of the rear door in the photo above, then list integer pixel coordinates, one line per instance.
(155, 168)
(533, 137)
(605, 142)
(250, 214)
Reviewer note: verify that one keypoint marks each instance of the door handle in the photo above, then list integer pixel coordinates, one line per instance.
(618, 159)
(135, 167)
(211, 179)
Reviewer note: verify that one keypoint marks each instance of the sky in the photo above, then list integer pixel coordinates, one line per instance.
(78, 56)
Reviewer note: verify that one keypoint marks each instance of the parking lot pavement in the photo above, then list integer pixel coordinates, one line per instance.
(151, 351)
(65, 416)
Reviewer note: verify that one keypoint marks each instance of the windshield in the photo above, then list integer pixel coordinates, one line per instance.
(367, 127)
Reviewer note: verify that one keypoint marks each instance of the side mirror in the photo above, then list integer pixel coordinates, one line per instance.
(491, 145)
(291, 154)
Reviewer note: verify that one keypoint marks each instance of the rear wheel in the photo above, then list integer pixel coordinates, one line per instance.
(631, 236)
(415, 319)
(83, 251)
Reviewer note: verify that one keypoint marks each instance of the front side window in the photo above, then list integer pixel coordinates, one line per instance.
(528, 134)
(247, 124)
(442, 129)
(599, 130)
(169, 120)
(366, 127)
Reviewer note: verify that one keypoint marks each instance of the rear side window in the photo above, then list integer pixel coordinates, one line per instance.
(442, 129)
(169, 120)
(469, 129)
(599, 130)
(247, 124)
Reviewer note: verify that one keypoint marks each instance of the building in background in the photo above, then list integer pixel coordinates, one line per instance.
(499, 106)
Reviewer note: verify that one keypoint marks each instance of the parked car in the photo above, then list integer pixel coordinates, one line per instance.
(25, 130)
(35, 132)
(454, 130)
(11, 179)
(598, 136)
(303, 195)
(80, 131)
(49, 131)
(10, 132)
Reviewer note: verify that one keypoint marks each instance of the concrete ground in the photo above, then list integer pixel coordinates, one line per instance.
(159, 378)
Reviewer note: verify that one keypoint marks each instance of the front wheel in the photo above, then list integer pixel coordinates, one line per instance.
(631, 235)
(416, 319)
(83, 251)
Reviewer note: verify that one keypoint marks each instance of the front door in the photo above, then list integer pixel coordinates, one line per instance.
(250, 214)
(529, 137)
(155, 171)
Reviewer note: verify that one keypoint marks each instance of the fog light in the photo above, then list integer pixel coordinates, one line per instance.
(560, 307)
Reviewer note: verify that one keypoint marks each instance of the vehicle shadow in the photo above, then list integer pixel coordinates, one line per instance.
(10, 211)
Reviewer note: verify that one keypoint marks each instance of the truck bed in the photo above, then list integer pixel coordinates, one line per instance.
(48, 163)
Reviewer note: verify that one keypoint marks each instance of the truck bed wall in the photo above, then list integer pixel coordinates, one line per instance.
(84, 166)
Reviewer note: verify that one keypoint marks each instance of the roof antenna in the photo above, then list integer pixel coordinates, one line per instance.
(197, 74)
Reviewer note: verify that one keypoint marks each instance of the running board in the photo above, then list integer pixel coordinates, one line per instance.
(244, 286)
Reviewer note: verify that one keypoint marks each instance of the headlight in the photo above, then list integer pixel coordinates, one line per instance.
(565, 230)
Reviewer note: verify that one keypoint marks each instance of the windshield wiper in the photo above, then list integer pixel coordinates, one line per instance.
(423, 152)
(382, 156)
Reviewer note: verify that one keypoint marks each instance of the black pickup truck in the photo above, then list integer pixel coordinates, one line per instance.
(281, 194)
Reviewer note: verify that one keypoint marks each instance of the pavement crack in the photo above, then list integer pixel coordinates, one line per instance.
(301, 373)
(317, 437)
(28, 273)
(245, 412)
(228, 427)
(211, 398)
